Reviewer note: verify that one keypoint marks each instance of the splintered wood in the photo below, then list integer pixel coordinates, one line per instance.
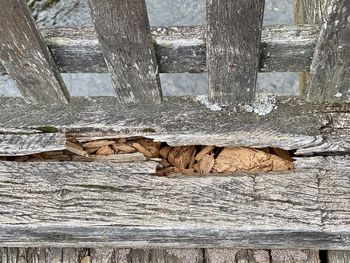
(186, 160)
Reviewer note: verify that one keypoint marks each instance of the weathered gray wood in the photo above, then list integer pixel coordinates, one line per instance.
(330, 68)
(104, 205)
(338, 256)
(237, 256)
(26, 58)
(233, 48)
(15, 144)
(124, 34)
(295, 256)
(309, 12)
(295, 124)
(183, 49)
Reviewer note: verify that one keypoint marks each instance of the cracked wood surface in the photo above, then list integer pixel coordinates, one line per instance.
(26, 57)
(104, 205)
(183, 49)
(233, 48)
(15, 144)
(123, 31)
(295, 124)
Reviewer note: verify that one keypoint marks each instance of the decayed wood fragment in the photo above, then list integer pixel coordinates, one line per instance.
(142, 149)
(204, 152)
(97, 144)
(105, 150)
(180, 157)
(75, 148)
(206, 164)
(123, 147)
(245, 159)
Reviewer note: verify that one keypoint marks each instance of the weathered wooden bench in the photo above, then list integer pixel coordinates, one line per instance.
(82, 211)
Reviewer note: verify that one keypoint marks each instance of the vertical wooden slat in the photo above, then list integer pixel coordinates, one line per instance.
(53, 255)
(338, 256)
(100, 255)
(236, 256)
(26, 58)
(73, 255)
(233, 48)
(308, 12)
(295, 256)
(123, 31)
(330, 68)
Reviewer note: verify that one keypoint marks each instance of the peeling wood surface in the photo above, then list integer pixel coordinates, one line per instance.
(295, 124)
(75, 204)
(233, 46)
(14, 144)
(123, 31)
(26, 57)
(330, 68)
(183, 49)
(338, 256)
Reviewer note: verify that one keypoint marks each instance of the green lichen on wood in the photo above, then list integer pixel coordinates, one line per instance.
(47, 129)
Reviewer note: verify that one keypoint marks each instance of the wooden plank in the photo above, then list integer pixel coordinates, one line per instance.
(295, 124)
(233, 48)
(183, 49)
(26, 58)
(309, 12)
(295, 256)
(338, 256)
(124, 34)
(106, 205)
(215, 255)
(330, 68)
(15, 144)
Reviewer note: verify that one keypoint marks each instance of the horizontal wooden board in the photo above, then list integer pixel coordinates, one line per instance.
(183, 49)
(106, 205)
(16, 144)
(294, 124)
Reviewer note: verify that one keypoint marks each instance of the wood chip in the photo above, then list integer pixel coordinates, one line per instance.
(206, 164)
(193, 160)
(165, 151)
(245, 159)
(105, 150)
(164, 163)
(203, 152)
(189, 172)
(152, 147)
(97, 144)
(142, 150)
(180, 157)
(123, 147)
(91, 150)
(76, 148)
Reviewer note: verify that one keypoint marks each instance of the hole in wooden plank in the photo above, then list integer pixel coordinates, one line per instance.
(186, 160)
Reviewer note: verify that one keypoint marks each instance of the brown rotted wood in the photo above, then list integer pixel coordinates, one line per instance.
(123, 31)
(330, 68)
(233, 49)
(308, 12)
(338, 256)
(26, 57)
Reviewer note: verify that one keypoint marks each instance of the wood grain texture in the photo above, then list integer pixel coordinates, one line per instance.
(308, 12)
(338, 256)
(295, 256)
(295, 124)
(183, 49)
(106, 205)
(14, 144)
(330, 68)
(214, 255)
(233, 48)
(26, 58)
(123, 31)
